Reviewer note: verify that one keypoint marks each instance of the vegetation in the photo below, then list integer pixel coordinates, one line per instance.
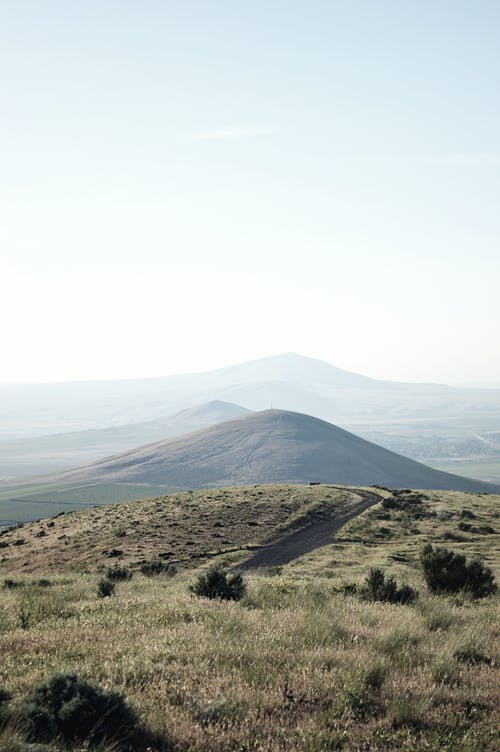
(154, 568)
(299, 663)
(105, 587)
(291, 666)
(188, 528)
(448, 572)
(69, 708)
(216, 582)
(378, 588)
(119, 574)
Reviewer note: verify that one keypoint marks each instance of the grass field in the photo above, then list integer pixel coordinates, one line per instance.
(30, 502)
(295, 665)
(487, 470)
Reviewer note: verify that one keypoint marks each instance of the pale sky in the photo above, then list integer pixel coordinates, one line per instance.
(186, 184)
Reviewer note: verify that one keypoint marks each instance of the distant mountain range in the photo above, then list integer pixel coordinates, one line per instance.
(285, 381)
(273, 446)
(50, 427)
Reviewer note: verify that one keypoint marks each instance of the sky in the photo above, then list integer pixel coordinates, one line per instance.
(188, 184)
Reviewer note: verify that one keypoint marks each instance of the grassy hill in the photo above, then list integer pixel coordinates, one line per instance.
(273, 446)
(185, 528)
(23, 457)
(415, 420)
(296, 665)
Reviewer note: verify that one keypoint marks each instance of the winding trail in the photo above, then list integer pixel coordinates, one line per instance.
(314, 535)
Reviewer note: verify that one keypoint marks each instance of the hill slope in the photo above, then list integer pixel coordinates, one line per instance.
(47, 454)
(273, 446)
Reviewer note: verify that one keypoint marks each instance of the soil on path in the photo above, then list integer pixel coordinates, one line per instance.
(308, 538)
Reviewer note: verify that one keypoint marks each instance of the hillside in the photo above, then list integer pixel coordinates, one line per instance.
(341, 531)
(273, 446)
(286, 381)
(186, 528)
(297, 665)
(45, 454)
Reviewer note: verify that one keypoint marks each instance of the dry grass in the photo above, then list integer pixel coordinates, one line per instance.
(185, 528)
(295, 665)
(393, 539)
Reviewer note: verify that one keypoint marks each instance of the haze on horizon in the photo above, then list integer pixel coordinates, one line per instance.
(189, 185)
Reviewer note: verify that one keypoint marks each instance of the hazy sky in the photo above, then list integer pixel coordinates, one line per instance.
(186, 184)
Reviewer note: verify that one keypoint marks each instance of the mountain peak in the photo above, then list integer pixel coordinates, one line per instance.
(270, 446)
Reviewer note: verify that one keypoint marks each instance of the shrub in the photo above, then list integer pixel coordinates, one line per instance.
(378, 588)
(153, 568)
(480, 579)
(105, 587)
(448, 572)
(119, 574)
(11, 584)
(73, 709)
(4, 699)
(375, 675)
(217, 583)
(467, 514)
(114, 552)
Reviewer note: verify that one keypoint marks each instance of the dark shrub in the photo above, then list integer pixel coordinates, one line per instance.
(480, 579)
(444, 570)
(105, 587)
(217, 583)
(119, 574)
(73, 709)
(467, 514)
(485, 530)
(153, 568)
(471, 655)
(114, 553)
(44, 583)
(11, 584)
(448, 572)
(411, 503)
(4, 699)
(378, 588)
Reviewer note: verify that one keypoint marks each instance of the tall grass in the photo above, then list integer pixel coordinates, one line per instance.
(293, 666)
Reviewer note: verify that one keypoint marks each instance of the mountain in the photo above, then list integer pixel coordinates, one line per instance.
(426, 421)
(286, 381)
(273, 446)
(38, 409)
(41, 455)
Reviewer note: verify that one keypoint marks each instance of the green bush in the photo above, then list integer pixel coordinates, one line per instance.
(153, 568)
(69, 708)
(119, 574)
(378, 588)
(446, 571)
(216, 582)
(105, 587)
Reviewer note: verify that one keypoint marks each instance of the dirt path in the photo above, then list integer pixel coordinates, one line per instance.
(308, 538)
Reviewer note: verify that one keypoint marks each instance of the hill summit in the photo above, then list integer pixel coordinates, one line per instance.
(272, 446)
